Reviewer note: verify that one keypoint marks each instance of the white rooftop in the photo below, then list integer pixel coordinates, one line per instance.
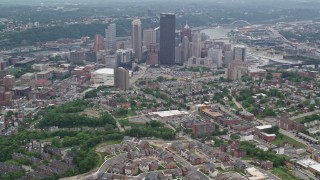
(255, 173)
(307, 162)
(169, 113)
(105, 71)
(316, 167)
(264, 127)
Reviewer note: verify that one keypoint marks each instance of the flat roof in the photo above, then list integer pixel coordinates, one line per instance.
(255, 173)
(316, 167)
(264, 127)
(212, 113)
(169, 113)
(307, 162)
(268, 135)
(105, 71)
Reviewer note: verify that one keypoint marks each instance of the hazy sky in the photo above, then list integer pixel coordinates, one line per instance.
(280, 3)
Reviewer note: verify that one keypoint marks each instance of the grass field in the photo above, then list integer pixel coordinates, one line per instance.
(281, 139)
(283, 173)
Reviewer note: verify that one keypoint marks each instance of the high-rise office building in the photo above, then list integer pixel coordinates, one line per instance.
(196, 45)
(111, 37)
(186, 31)
(228, 58)
(216, 56)
(98, 43)
(121, 78)
(240, 53)
(149, 36)
(137, 39)
(9, 82)
(153, 54)
(177, 56)
(185, 50)
(77, 57)
(167, 38)
(177, 38)
(236, 70)
(157, 31)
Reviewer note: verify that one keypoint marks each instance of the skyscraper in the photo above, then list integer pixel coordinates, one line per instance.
(178, 54)
(196, 45)
(240, 53)
(186, 31)
(149, 36)
(111, 35)
(98, 43)
(157, 31)
(153, 54)
(121, 78)
(185, 50)
(167, 38)
(216, 56)
(137, 39)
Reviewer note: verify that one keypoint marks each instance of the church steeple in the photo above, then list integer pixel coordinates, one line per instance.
(186, 26)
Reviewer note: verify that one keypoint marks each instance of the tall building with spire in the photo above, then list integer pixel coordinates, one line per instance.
(167, 38)
(111, 35)
(186, 31)
(98, 43)
(136, 39)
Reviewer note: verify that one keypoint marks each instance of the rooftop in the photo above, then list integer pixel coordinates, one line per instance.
(255, 173)
(169, 113)
(316, 167)
(105, 71)
(307, 162)
(212, 113)
(264, 127)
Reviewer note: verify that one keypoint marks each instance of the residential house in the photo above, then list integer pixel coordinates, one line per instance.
(224, 157)
(195, 159)
(208, 167)
(112, 149)
(207, 150)
(193, 175)
(4, 167)
(239, 165)
(68, 158)
(177, 173)
(118, 168)
(131, 169)
(213, 173)
(119, 177)
(151, 176)
(132, 154)
(170, 164)
(177, 146)
(266, 165)
(45, 156)
(167, 174)
(36, 175)
(47, 170)
(144, 145)
(227, 166)
(53, 151)
(239, 153)
(61, 165)
(143, 166)
(31, 159)
(153, 165)
(223, 148)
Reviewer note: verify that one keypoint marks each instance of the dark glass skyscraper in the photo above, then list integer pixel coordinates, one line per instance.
(167, 38)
